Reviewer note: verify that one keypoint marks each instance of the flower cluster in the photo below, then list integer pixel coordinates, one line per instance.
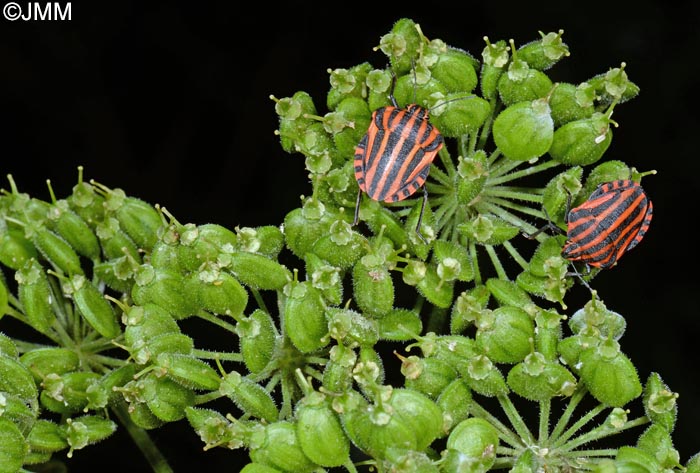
(384, 347)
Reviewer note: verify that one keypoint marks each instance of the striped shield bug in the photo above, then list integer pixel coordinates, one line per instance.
(393, 159)
(611, 222)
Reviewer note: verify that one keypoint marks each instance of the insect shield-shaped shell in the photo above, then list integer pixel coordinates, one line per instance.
(393, 159)
(611, 222)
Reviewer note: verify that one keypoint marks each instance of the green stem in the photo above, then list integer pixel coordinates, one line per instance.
(574, 401)
(529, 171)
(500, 270)
(217, 355)
(519, 193)
(516, 255)
(603, 452)
(475, 262)
(545, 410)
(259, 300)
(515, 206)
(577, 426)
(505, 434)
(143, 441)
(216, 321)
(509, 217)
(515, 419)
(208, 397)
(601, 432)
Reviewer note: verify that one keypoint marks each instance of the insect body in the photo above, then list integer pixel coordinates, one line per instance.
(393, 159)
(611, 222)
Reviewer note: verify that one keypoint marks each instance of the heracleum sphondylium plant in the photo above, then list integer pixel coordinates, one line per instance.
(379, 350)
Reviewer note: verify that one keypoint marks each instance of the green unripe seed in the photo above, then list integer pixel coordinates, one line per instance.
(140, 220)
(463, 114)
(86, 430)
(635, 460)
(321, 434)
(189, 371)
(454, 69)
(167, 289)
(166, 399)
(57, 250)
(43, 361)
(435, 289)
(46, 436)
(16, 379)
(145, 322)
(72, 228)
(660, 402)
(15, 248)
(506, 337)
(569, 103)
(557, 193)
(35, 295)
(257, 271)
(13, 447)
(68, 393)
(277, 446)
(524, 130)
(257, 337)
(304, 318)
(520, 83)
(477, 439)
(429, 376)
(373, 289)
(609, 375)
(96, 310)
(402, 44)
(545, 52)
(454, 400)
(536, 379)
(399, 325)
(581, 142)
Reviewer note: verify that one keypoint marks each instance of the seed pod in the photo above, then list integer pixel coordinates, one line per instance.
(302, 228)
(249, 396)
(87, 430)
(354, 113)
(381, 220)
(166, 255)
(320, 433)
(72, 228)
(373, 288)
(337, 374)
(342, 247)
(429, 376)
(257, 271)
(57, 251)
(520, 83)
(257, 336)
(346, 83)
(477, 439)
(547, 249)
(15, 248)
(399, 459)
(67, 394)
(86, 202)
(43, 361)
(581, 142)
(96, 310)
(454, 400)
(142, 416)
(139, 219)
(558, 192)
(461, 114)
(495, 56)
(13, 447)
(548, 333)
(545, 52)
(259, 468)
(351, 327)
(443, 249)
(657, 441)
(165, 398)
(115, 242)
(15, 409)
(660, 402)
(505, 335)
(3, 297)
(114, 379)
(473, 171)
(636, 460)
(146, 322)
(203, 243)
(467, 307)
(277, 446)
(524, 130)
(609, 375)
(401, 45)
(166, 289)
(218, 292)
(399, 325)
(35, 295)
(570, 102)
(438, 291)
(269, 241)
(189, 371)
(304, 318)
(484, 377)
(326, 278)
(508, 293)
(117, 274)
(46, 436)
(173, 342)
(7, 346)
(423, 416)
(536, 379)
(16, 379)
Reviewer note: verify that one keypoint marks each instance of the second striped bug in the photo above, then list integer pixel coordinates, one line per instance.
(612, 221)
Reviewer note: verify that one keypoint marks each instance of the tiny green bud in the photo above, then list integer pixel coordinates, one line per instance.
(97, 311)
(57, 250)
(73, 229)
(545, 52)
(218, 292)
(570, 102)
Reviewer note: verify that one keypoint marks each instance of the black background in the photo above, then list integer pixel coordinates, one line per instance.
(169, 101)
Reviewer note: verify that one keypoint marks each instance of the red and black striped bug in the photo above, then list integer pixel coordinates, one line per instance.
(612, 221)
(393, 159)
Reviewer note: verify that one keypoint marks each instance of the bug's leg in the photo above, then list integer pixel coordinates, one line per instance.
(575, 272)
(549, 226)
(357, 208)
(391, 90)
(420, 216)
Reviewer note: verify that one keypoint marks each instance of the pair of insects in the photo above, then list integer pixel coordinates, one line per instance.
(393, 159)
